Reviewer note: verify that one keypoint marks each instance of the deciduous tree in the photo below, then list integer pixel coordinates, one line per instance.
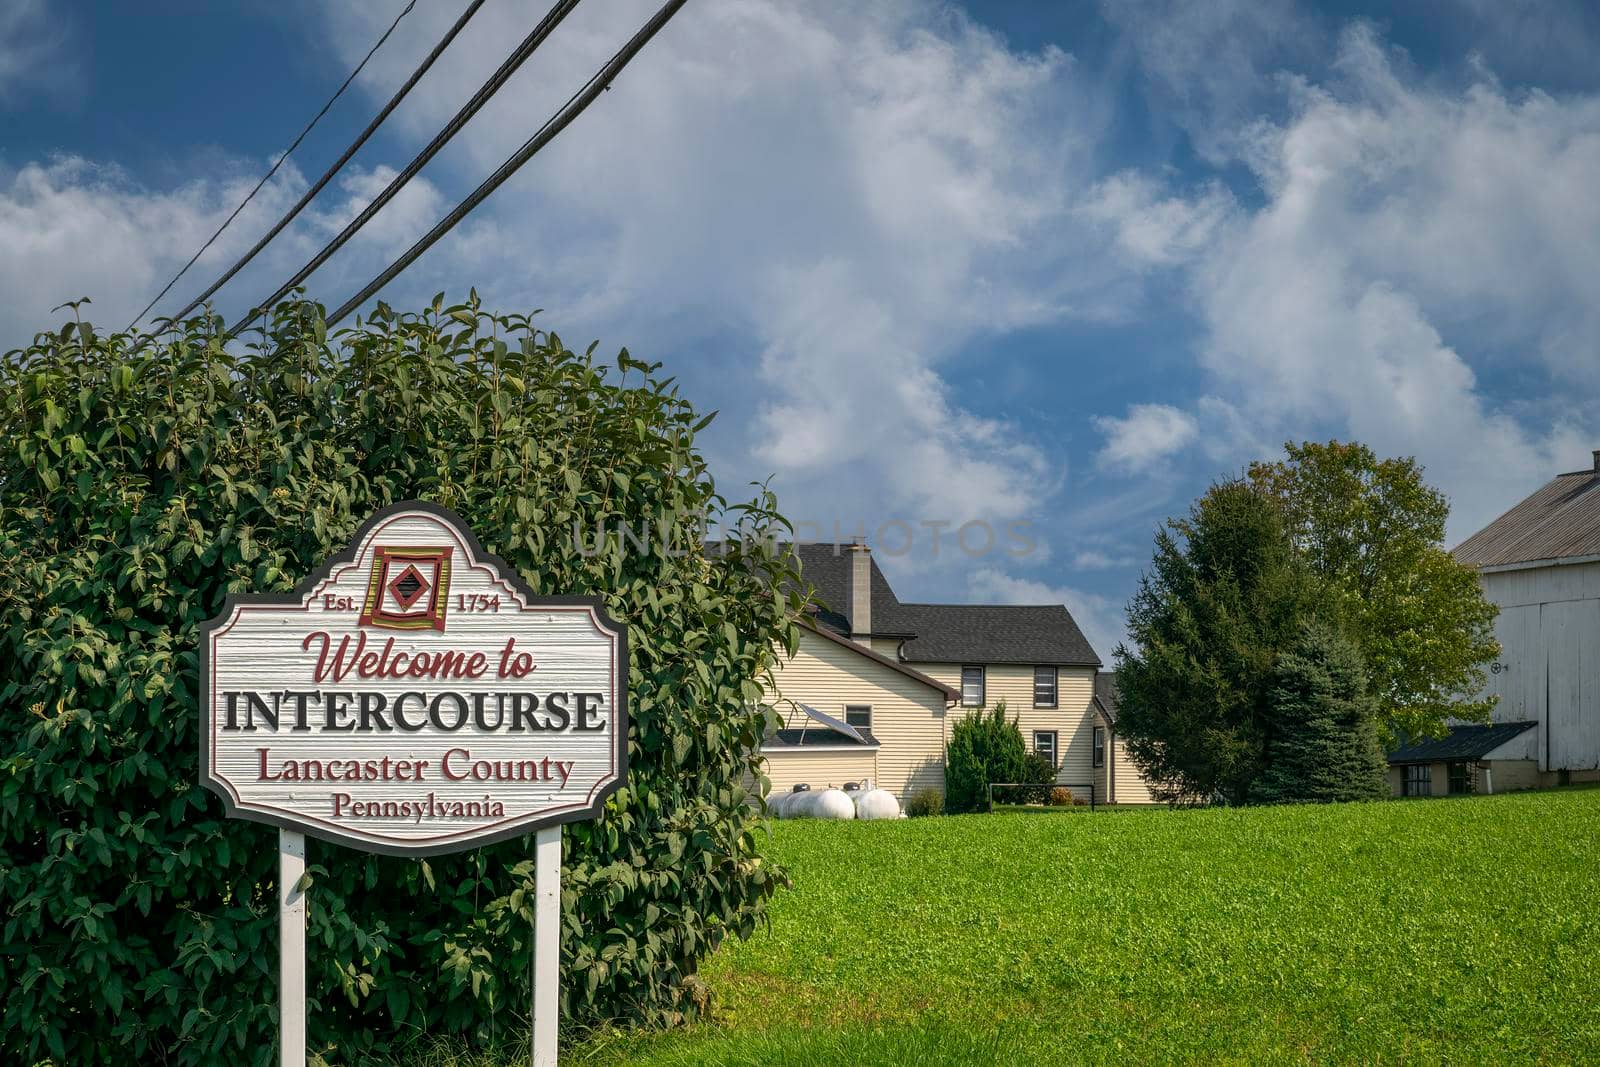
(1373, 530)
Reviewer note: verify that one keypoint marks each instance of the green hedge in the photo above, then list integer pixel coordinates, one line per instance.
(143, 478)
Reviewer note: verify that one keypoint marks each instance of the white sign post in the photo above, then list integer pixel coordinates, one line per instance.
(414, 697)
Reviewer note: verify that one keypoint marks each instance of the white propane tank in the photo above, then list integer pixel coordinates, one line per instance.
(783, 806)
(831, 804)
(877, 804)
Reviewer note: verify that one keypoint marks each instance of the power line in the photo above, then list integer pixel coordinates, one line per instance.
(575, 106)
(267, 177)
(338, 164)
(529, 45)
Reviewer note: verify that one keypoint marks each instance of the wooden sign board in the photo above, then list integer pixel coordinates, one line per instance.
(413, 696)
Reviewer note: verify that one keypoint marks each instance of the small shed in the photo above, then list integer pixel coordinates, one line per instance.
(1471, 758)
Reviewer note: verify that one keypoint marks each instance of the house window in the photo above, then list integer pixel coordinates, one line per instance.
(859, 716)
(1044, 743)
(1099, 747)
(1416, 780)
(1044, 687)
(1460, 779)
(972, 687)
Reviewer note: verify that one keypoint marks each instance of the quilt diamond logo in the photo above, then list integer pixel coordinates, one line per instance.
(409, 588)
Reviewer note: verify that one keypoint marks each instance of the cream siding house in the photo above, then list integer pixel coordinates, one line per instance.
(898, 716)
(1540, 564)
(900, 674)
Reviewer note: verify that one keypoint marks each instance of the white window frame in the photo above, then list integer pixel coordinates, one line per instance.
(1099, 742)
(848, 708)
(1055, 687)
(983, 685)
(1055, 746)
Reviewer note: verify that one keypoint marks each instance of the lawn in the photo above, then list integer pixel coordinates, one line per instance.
(1463, 930)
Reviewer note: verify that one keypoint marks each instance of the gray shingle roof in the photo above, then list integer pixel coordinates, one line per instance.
(946, 633)
(1466, 742)
(1559, 521)
(1106, 695)
(993, 633)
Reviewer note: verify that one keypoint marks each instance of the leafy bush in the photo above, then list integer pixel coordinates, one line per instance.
(984, 748)
(1038, 775)
(925, 802)
(1061, 797)
(143, 478)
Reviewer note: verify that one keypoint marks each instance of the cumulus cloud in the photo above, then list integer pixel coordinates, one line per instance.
(74, 227)
(848, 195)
(1413, 241)
(1148, 434)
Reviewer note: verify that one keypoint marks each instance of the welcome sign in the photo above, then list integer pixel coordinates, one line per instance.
(413, 696)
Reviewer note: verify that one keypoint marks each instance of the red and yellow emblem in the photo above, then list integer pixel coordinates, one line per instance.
(409, 588)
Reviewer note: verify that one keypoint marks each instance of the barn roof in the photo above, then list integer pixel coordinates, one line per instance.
(1559, 521)
(1465, 742)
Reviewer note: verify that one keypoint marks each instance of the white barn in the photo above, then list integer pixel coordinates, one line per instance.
(1540, 563)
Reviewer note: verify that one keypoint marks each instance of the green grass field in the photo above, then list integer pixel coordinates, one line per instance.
(1462, 930)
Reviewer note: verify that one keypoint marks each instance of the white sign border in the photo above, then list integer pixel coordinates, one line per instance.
(478, 558)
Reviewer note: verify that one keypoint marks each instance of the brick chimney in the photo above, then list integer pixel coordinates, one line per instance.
(860, 593)
(1597, 459)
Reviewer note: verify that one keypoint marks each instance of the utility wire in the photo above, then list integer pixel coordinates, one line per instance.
(267, 177)
(575, 105)
(551, 20)
(355, 146)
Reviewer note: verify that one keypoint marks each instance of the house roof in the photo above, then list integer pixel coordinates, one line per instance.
(1464, 742)
(945, 633)
(1559, 521)
(994, 633)
(1107, 696)
(813, 736)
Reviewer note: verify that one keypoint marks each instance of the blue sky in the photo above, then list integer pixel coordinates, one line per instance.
(1008, 262)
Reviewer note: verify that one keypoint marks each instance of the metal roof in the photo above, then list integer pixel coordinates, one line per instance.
(1466, 742)
(1559, 521)
(820, 735)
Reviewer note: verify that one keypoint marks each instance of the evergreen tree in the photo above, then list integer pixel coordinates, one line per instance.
(1322, 744)
(1226, 594)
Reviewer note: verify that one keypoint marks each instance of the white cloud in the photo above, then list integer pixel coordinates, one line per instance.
(1414, 240)
(35, 57)
(1148, 434)
(1102, 619)
(854, 193)
(1153, 228)
(72, 228)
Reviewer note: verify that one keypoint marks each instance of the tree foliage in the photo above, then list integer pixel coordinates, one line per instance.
(984, 747)
(1374, 531)
(1322, 739)
(1226, 594)
(142, 478)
